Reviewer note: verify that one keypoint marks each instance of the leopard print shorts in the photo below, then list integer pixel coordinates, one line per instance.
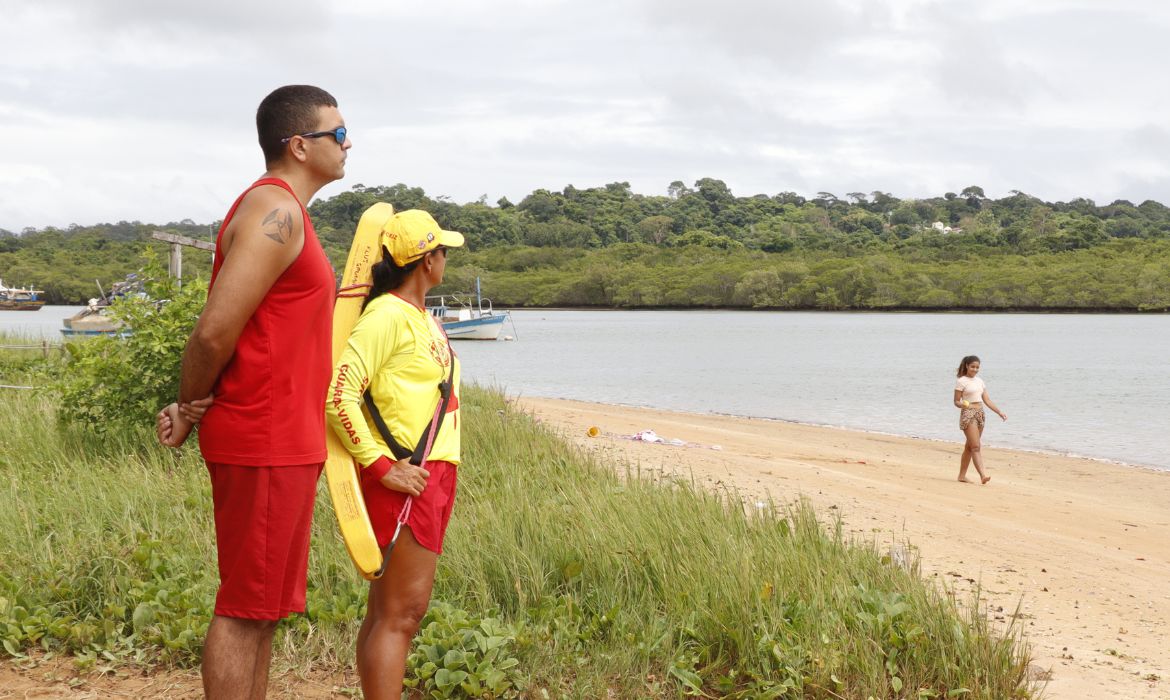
(972, 413)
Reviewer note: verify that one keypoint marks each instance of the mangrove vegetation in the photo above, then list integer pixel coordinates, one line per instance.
(703, 246)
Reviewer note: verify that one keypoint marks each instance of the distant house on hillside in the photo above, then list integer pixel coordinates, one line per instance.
(943, 228)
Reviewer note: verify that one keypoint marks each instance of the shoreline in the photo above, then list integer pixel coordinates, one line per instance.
(1072, 552)
(829, 426)
(958, 440)
(1035, 310)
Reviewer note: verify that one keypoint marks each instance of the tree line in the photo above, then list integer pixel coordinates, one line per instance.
(702, 246)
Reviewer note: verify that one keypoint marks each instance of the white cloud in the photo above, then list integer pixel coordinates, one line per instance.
(129, 110)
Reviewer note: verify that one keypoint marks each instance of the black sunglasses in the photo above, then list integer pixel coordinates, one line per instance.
(338, 135)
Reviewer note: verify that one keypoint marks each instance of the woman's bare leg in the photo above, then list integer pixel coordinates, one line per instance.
(364, 631)
(964, 462)
(974, 444)
(396, 605)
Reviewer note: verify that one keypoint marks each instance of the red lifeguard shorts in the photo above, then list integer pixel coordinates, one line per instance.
(429, 513)
(263, 516)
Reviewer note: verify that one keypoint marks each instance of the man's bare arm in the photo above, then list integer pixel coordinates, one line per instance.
(278, 225)
(264, 238)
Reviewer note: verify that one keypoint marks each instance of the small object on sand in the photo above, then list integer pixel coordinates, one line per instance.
(654, 438)
(593, 431)
(648, 436)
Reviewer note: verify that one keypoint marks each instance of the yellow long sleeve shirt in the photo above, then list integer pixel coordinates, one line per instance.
(400, 352)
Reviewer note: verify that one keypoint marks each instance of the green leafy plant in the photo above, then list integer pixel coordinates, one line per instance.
(146, 605)
(457, 655)
(110, 381)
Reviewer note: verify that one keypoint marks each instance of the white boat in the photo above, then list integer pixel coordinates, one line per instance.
(467, 316)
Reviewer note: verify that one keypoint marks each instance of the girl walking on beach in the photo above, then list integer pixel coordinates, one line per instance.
(970, 397)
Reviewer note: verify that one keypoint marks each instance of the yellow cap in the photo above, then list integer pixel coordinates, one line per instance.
(413, 233)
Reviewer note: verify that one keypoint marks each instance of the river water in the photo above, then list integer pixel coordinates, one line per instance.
(1094, 385)
(1089, 385)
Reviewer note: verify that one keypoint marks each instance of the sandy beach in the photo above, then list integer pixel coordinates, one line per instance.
(1078, 550)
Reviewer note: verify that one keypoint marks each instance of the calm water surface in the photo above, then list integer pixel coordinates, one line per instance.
(1091, 385)
(44, 323)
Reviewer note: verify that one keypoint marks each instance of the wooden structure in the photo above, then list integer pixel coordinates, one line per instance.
(175, 263)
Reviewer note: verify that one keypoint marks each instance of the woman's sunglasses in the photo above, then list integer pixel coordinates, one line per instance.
(338, 135)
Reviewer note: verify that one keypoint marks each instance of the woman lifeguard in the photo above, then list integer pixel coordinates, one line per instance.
(400, 354)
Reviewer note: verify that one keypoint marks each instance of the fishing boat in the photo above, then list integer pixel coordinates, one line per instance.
(91, 321)
(20, 299)
(94, 319)
(467, 316)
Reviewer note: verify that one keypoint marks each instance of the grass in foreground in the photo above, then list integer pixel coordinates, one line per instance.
(560, 576)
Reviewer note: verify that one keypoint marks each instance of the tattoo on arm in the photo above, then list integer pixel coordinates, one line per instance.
(278, 225)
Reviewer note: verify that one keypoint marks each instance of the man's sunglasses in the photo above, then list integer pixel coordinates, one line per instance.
(338, 135)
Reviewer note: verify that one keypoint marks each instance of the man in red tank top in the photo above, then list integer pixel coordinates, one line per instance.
(255, 371)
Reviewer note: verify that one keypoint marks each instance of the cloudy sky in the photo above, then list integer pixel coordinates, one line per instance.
(134, 110)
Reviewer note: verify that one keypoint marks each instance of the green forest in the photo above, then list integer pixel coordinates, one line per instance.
(701, 246)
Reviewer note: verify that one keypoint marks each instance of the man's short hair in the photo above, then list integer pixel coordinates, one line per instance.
(288, 111)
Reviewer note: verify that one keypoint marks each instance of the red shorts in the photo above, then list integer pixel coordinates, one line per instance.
(429, 513)
(263, 516)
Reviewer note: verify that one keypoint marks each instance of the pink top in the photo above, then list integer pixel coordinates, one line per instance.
(972, 388)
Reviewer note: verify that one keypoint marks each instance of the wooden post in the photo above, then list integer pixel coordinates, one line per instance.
(175, 267)
(175, 264)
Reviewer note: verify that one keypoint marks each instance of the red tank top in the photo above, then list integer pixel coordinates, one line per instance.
(269, 407)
